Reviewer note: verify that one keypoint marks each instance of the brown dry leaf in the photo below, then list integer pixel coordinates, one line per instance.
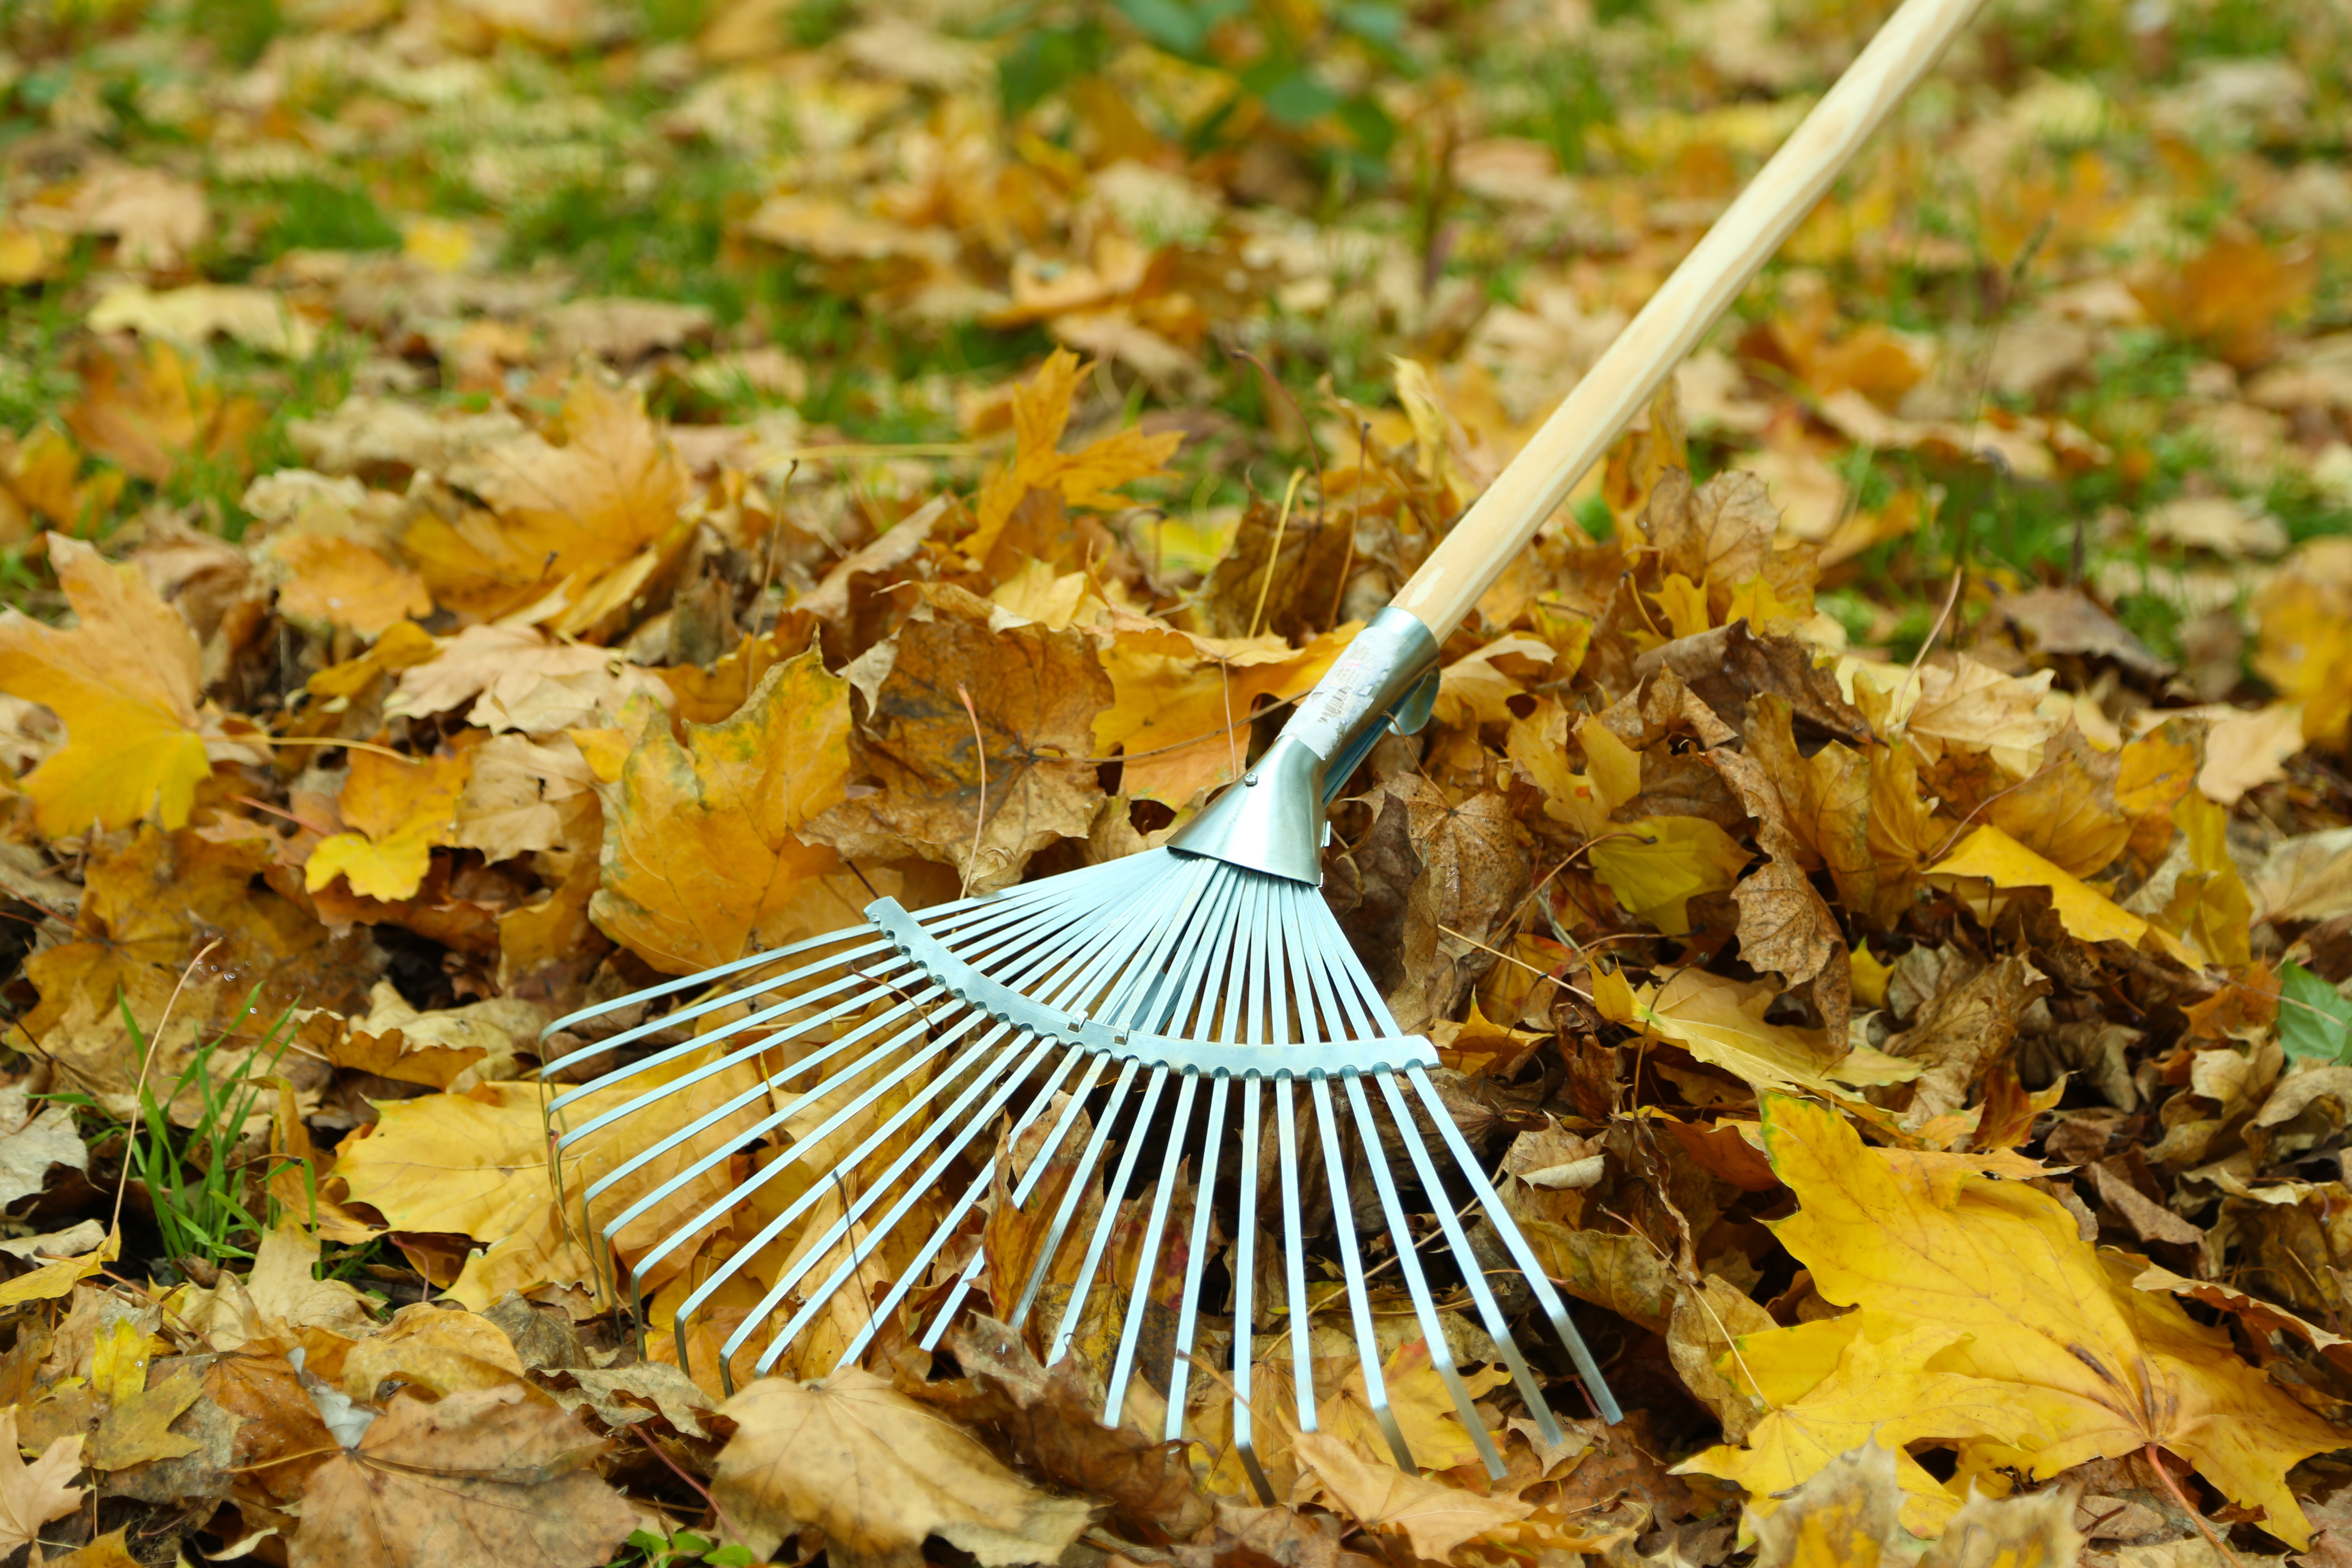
(32, 1495)
(878, 1474)
(1434, 1516)
(479, 1478)
(1967, 1026)
(515, 796)
(1036, 692)
(124, 682)
(1048, 1417)
(429, 1347)
(399, 808)
(286, 1289)
(702, 859)
(518, 679)
(436, 1049)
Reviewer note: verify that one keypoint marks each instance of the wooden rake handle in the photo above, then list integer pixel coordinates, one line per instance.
(1499, 524)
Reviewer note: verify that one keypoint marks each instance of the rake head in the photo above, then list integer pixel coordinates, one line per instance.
(1154, 1075)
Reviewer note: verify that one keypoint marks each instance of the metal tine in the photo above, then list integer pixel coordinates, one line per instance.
(1294, 1255)
(1244, 987)
(1341, 1010)
(742, 1053)
(861, 980)
(774, 1119)
(1474, 1268)
(1351, 1262)
(1028, 1184)
(971, 938)
(1185, 1002)
(1094, 956)
(1324, 937)
(978, 1052)
(1084, 950)
(1204, 1203)
(1075, 1308)
(1004, 1077)
(759, 1090)
(1081, 1180)
(688, 982)
(1015, 916)
(1134, 992)
(1425, 1305)
(787, 1159)
(1596, 1388)
(1056, 891)
(944, 1232)
(1244, 1283)
(1147, 1263)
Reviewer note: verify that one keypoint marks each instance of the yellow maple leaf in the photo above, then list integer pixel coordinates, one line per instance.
(1721, 1022)
(1091, 478)
(1180, 704)
(1665, 862)
(125, 681)
(338, 582)
(399, 808)
(2210, 904)
(574, 530)
(1993, 856)
(2306, 616)
(701, 861)
(1984, 1322)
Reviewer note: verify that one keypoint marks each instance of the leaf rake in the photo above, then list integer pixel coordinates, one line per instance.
(1073, 1048)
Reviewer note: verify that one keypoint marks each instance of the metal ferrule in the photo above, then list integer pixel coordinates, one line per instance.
(1273, 821)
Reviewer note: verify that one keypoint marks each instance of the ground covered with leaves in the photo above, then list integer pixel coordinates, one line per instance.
(507, 501)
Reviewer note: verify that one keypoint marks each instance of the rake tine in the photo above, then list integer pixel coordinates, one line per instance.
(662, 1058)
(799, 1149)
(944, 1232)
(1107, 1222)
(1360, 1304)
(1147, 1264)
(1244, 1282)
(1474, 1272)
(1028, 1184)
(1081, 1180)
(966, 1127)
(1137, 992)
(1596, 1388)
(1424, 1306)
(760, 1090)
(688, 982)
(981, 1052)
(1294, 1255)
(1204, 1200)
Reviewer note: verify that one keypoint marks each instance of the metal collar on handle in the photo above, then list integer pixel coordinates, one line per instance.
(1271, 821)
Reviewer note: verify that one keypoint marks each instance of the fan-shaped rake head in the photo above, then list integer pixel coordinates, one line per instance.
(822, 1164)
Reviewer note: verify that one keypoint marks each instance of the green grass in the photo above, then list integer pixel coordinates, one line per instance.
(204, 1195)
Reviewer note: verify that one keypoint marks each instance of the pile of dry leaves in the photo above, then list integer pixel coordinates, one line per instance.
(1912, 1029)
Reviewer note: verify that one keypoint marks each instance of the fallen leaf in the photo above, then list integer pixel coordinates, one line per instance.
(1663, 862)
(1040, 409)
(155, 412)
(136, 1429)
(399, 809)
(1844, 1517)
(33, 1141)
(1045, 690)
(1993, 856)
(32, 1495)
(702, 859)
(124, 682)
(1433, 1516)
(254, 317)
(878, 1474)
(1049, 1417)
(1985, 1322)
(479, 1478)
(338, 582)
